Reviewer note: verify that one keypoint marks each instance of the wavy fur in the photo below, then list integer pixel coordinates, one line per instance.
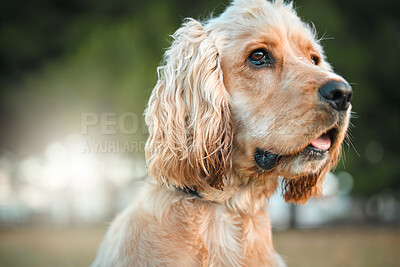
(188, 115)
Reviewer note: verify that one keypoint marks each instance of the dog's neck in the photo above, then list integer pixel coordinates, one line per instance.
(233, 224)
(246, 197)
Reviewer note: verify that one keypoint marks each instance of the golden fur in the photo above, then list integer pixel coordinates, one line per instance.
(207, 114)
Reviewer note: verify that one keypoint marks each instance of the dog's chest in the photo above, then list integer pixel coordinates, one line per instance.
(233, 240)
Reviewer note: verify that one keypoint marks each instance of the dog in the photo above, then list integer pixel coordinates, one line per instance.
(243, 102)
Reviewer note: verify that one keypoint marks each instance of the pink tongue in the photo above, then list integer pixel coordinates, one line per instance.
(323, 142)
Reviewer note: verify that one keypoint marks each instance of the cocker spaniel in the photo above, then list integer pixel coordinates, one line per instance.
(243, 101)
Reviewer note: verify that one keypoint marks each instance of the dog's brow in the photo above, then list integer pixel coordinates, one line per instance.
(272, 40)
(267, 43)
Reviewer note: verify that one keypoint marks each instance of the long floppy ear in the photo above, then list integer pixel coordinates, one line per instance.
(300, 190)
(188, 114)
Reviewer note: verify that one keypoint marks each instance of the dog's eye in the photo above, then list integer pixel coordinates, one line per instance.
(315, 60)
(259, 57)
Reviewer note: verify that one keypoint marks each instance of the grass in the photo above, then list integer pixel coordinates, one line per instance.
(340, 247)
(335, 247)
(49, 247)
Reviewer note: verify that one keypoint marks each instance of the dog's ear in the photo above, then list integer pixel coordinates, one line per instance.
(300, 190)
(188, 115)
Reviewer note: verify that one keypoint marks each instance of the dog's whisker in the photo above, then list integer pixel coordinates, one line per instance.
(325, 37)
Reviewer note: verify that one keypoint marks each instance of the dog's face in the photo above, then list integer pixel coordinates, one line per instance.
(275, 74)
(249, 94)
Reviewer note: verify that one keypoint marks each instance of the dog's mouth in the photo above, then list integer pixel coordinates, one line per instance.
(321, 144)
(315, 150)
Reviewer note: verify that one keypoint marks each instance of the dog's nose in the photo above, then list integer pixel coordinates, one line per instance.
(337, 94)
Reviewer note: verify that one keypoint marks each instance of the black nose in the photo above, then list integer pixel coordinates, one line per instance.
(337, 94)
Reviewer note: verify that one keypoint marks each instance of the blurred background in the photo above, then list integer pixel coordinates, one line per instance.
(75, 77)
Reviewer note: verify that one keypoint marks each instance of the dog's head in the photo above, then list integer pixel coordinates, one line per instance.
(248, 94)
